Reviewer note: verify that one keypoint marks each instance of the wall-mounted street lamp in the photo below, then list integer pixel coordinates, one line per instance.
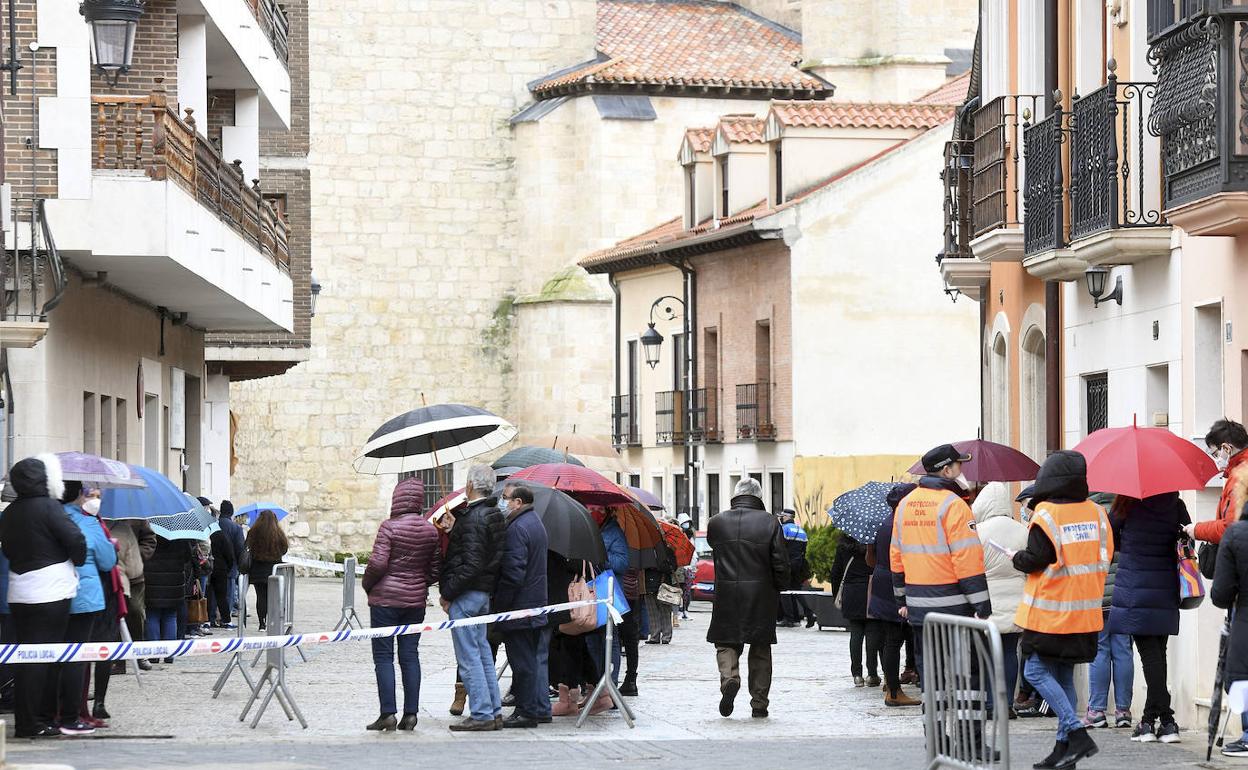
(1096, 277)
(651, 339)
(316, 292)
(113, 25)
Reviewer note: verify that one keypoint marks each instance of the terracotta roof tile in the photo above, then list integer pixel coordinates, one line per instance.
(689, 43)
(812, 114)
(954, 92)
(673, 230)
(743, 128)
(700, 138)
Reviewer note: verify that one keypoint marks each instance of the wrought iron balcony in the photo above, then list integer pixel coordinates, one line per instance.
(956, 176)
(1200, 53)
(997, 149)
(624, 428)
(706, 415)
(32, 279)
(1109, 181)
(754, 421)
(669, 417)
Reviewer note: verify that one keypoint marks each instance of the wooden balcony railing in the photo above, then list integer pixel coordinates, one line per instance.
(144, 134)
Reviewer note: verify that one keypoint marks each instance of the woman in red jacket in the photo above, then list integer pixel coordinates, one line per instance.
(403, 564)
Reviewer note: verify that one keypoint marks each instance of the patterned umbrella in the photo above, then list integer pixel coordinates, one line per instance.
(431, 436)
(172, 513)
(524, 456)
(97, 471)
(860, 512)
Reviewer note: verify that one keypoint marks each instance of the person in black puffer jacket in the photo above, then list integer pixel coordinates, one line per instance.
(469, 575)
(43, 546)
(851, 577)
(165, 575)
(1230, 592)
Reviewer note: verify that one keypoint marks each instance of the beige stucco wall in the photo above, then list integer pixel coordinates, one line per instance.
(810, 157)
(95, 343)
(638, 291)
(414, 234)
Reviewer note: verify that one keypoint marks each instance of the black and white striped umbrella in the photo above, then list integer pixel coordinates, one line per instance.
(431, 436)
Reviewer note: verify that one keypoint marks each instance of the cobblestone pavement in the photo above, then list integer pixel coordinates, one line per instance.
(818, 718)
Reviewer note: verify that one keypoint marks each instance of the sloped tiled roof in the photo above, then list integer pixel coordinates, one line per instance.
(810, 114)
(954, 92)
(688, 43)
(673, 231)
(743, 128)
(700, 138)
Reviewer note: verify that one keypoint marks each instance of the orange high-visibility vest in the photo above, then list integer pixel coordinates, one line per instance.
(1066, 597)
(936, 549)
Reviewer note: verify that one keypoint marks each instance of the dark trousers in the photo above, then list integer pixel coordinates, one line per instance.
(409, 657)
(136, 612)
(35, 695)
(262, 601)
(72, 677)
(1010, 644)
(528, 652)
(758, 679)
(916, 642)
(628, 632)
(857, 638)
(911, 665)
(888, 638)
(219, 597)
(1152, 651)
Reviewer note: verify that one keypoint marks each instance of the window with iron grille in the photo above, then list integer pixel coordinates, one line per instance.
(1097, 388)
(437, 483)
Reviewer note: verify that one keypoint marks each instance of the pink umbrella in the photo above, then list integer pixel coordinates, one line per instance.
(991, 461)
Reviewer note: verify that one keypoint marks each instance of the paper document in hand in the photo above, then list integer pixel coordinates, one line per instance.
(995, 545)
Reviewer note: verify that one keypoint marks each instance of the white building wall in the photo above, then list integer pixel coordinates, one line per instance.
(216, 438)
(884, 363)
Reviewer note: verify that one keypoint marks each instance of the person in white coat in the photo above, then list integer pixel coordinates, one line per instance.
(994, 521)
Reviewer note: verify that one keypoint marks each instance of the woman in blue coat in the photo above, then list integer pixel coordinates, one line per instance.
(1145, 603)
(85, 608)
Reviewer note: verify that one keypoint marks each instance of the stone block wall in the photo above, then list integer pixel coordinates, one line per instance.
(413, 211)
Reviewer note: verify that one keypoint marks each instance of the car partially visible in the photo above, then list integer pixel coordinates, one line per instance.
(704, 570)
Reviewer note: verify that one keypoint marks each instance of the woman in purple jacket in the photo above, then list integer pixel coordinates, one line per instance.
(404, 563)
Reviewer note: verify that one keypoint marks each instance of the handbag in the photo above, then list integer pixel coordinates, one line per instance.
(1207, 557)
(584, 619)
(839, 599)
(244, 560)
(1191, 587)
(197, 611)
(670, 594)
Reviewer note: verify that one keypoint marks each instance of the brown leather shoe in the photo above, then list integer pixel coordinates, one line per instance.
(461, 695)
(901, 699)
(475, 725)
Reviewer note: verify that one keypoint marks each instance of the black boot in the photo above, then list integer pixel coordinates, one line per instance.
(408, 722)
(1080, 746)
(1049, 762)
(629, 686)
(384, 723)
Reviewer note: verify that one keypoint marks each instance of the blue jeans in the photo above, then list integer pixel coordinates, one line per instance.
(162, 623)
(528, 651)
(472, 652)
(409, 657)
(1056, 684)
(1113, 660)
(234, 591)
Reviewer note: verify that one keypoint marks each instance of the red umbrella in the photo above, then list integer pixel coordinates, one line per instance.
(587, 486)
(678, 541)
(991, 461)
(1142, 462)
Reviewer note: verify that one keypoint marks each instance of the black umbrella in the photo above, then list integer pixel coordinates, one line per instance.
(525, 456)
(1219, 676)
(570, 531)
(432, 436)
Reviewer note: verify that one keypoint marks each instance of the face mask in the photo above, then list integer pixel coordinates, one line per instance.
(92, 506)
(502, 505)
(962, 482)
(1221, 460)
(1024, 514)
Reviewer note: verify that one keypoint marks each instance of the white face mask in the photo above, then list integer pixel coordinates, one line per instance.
(1024, 514)
(92, 506)
(962, 482)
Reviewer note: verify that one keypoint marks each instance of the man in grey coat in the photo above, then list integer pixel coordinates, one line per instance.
(751, 568)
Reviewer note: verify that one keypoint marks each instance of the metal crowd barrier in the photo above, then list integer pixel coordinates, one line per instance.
(236, 658)
(274, 676)
(287, 625)
(966, 712)
(349, 618)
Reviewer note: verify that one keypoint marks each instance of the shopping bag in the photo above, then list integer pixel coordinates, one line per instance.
(1191, 587)
(583, 619)
(618, 601)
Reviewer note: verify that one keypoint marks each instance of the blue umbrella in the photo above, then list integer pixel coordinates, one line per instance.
(172, 513)
(860, 512)
(253, 510)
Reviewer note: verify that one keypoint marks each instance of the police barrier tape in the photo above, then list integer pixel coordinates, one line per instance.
(89, 652)
(809, 593)
(299, 561)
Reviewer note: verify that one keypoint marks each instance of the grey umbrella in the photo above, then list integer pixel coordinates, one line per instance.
(525, 456)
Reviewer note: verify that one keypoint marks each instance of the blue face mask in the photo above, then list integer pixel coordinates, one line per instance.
(502, 505)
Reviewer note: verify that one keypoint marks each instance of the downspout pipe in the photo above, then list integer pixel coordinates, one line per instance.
(1052, 290)
(615, 290)
(689, 296)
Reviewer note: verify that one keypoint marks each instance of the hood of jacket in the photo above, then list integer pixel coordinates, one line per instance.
(408, 497)
(1064, 477)
(747, 501)
(897, 494)
(993, 500)
(38, 476)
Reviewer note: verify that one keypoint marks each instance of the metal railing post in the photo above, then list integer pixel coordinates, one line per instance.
(236, 659)
(349, 618)
(606, 683)
(274, 675)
